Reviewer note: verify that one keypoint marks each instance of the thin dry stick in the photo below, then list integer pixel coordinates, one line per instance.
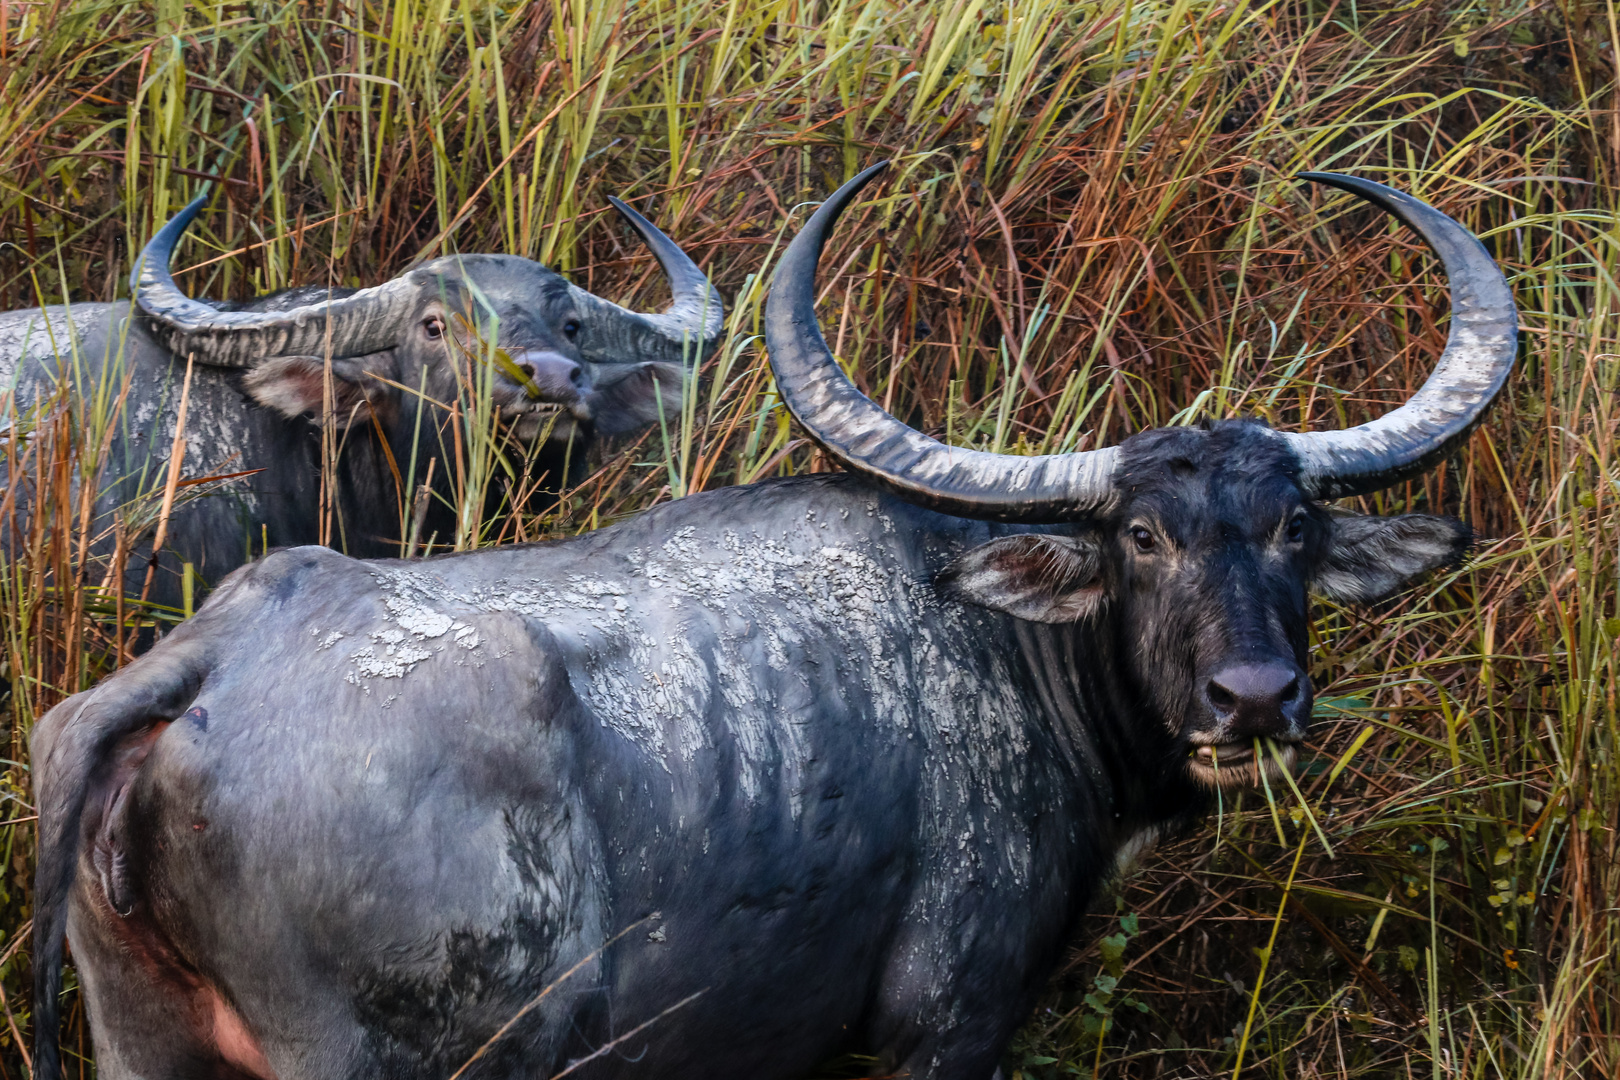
(328, 432)
(643, 1026)
(541, 996)
(28, 1061)
(290, 234)
(177, 453)
(424, 495)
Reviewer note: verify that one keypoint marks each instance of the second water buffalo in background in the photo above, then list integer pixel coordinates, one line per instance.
(561, 364)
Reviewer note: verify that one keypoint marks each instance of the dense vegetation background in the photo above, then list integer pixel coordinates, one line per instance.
(1091, 229)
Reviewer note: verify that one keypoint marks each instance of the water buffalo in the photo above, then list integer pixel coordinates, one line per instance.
(572, 364)
(763, 776)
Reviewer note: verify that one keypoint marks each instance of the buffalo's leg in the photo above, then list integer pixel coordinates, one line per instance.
(150, 1021)
(953, 1059)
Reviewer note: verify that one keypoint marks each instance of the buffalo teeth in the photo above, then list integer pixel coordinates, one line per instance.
(1226, 752)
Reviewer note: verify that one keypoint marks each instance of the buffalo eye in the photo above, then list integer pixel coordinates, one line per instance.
(1296, 528)
(433, 327)
(571, 329)
(1142, 539)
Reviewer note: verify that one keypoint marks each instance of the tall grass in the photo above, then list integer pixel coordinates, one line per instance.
(1091, 229)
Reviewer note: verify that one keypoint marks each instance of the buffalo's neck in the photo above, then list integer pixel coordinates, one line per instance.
(427, 448)
(1123, 757)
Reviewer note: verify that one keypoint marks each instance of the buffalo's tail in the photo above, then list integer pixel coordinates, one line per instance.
(72, 752)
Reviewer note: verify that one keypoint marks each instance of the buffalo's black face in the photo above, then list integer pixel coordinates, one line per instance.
(492, 317)
(1214, 543)
(513, 325)
(1202, 569)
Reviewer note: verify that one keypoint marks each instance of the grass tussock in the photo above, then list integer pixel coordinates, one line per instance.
(1090, 229)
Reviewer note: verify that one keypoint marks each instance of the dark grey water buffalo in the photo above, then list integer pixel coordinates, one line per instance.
(571, 364)
(763, 776)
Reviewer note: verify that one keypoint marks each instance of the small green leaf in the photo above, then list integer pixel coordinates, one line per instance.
(508, 367)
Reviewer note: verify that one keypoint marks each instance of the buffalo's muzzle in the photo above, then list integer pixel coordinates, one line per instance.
(556, 377)
(1257, 700)
(544, 394)
(1265, 705)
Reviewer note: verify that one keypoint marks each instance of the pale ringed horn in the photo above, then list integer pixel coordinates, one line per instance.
(372, 319)
(686, 331)
(975, 484)
(852, 428)
(364, 322)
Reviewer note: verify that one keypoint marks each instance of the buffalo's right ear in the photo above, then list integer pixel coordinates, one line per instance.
(628, 397)
(1370, 558)
(1041, 578)
(293, 386)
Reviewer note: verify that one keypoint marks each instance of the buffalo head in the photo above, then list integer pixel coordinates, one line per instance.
(1190, 552)
(561, 361)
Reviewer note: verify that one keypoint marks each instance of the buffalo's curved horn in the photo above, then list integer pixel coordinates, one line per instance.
(363, 322)
(1469, 374)
(684, 333)
(853, 429)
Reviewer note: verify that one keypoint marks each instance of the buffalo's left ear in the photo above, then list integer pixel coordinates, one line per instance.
(626, 397)
(1369, 558)
(1049, 579)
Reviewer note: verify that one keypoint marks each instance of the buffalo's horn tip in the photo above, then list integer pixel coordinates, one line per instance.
(628, 212)
(840, 198)
(1380, 195)
(168, 237)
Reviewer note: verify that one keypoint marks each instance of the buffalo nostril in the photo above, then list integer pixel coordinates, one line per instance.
(553, 375)
(1255, 698)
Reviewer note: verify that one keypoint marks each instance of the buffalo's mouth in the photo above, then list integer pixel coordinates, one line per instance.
(1235, 764)
(552, 420)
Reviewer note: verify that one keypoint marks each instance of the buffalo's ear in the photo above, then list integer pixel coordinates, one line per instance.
(1049, 579)
(627, 397)
(292, 386)
(1369, 558)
